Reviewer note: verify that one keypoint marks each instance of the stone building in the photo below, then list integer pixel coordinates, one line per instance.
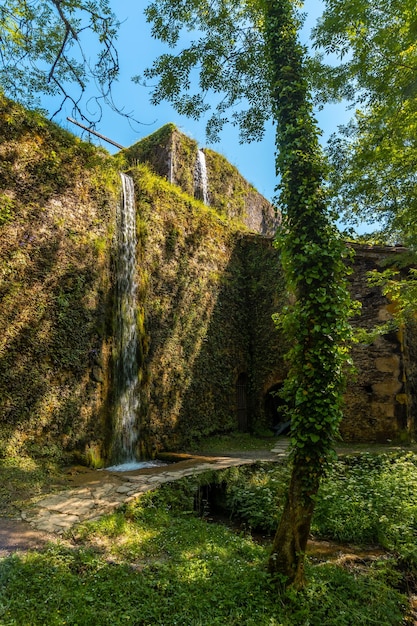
(379, 399)
(379, 395)
(210, 359)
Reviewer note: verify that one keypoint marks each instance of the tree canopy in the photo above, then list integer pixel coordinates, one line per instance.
(223, 62)
(373, 65)
(43, 50)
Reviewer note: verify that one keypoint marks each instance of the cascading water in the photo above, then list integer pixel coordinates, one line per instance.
(126, 376)
(200, 178)
(126, 431)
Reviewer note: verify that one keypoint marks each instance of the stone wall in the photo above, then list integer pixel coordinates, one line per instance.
(207, 291)
(209, 355)
(57, 207)
(378, 397)
(380, 403)
(241, 356)
(172, 155)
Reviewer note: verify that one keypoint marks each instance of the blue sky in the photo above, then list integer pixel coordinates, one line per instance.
(137, 50)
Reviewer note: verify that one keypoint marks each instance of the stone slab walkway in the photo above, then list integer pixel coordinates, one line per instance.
(104, 491)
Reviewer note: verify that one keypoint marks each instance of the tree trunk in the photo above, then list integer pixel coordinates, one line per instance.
(286, 562)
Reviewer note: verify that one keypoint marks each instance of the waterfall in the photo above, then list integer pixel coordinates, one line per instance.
(200, 178)
(126, 376)
(171, 161)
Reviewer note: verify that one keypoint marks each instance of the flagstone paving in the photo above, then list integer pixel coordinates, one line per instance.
(97, 493)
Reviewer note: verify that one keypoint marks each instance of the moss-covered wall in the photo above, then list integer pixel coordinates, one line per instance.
(208, 351)
(233, 196)
(199, 276)
(194, 315)
(56, 220)
(208, 291)
(379, 402)
(265, 295)
(168, 153)
(379, 396)
(172, 155)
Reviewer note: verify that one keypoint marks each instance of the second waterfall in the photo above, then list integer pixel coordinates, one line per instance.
(126, 432)
(200, 178)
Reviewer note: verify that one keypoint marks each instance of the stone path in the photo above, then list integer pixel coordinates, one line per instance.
(101, 492)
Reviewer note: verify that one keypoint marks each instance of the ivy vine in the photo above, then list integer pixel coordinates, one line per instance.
(316, 320)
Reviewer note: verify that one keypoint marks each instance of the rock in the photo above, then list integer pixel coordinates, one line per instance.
(97, 374)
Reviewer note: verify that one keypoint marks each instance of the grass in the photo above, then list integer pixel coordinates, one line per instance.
(23, 479)
(372, 499)
(156, 563)
(234, 442)
(366, 499)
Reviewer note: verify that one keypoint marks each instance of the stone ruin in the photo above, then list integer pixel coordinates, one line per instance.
(174, 156)
(379, 400)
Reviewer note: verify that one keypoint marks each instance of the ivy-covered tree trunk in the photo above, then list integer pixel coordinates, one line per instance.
(290, 541)
(312, 258)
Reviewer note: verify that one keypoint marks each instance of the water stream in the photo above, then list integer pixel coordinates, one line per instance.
(200, 178)
(126, 376)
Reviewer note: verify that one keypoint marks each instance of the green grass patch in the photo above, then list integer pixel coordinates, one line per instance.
(234, 442)
(371, 499)
(366, 499)
(156, 563)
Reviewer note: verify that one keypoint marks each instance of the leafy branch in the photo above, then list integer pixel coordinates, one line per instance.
(42, 51)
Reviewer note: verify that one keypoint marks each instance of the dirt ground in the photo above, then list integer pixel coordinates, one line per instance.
(19, 536)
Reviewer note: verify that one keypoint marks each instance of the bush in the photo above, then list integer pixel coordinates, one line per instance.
(256, 494)
(371, 499)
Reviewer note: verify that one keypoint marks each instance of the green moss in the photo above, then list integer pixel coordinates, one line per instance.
(94, 456)
(144, 150)
(6, 209)
(172, 155)
(167, 152)
(227, 188)
(194, 290)
(54, 282)
(197, 272)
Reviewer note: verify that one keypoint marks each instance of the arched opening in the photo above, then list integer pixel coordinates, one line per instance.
(242, 402)
(274, 414)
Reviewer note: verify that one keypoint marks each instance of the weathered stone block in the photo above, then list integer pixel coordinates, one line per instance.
(388, 364)
(384, 315)
(385, 409)
(387, 388)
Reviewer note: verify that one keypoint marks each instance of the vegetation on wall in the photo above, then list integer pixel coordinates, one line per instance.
(197, 272)
(146, 150)
(57, 203)
(228, 190)
(205, 316)
(169, 153)
(207, 289)
(265, 295)
(173, 155)
(194, 315)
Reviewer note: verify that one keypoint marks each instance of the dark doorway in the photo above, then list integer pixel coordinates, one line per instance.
(242, 402)
(274, 405)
